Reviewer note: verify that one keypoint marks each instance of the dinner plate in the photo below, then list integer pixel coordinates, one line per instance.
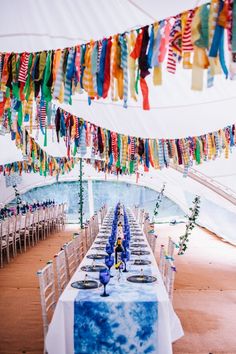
(100, 242)
(85, 284)
(140, 252)
(93, 268)
(142, 278)
(137, 239)
(137, 245)
(142, 262)
(96, 256)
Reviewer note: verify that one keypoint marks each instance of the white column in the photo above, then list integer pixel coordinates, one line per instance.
(90, 197)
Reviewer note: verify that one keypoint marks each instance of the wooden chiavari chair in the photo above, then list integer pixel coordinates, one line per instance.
(61, 271)
(47, 295)
(71, 264)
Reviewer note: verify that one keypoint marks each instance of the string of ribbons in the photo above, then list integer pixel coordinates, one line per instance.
(119, 65)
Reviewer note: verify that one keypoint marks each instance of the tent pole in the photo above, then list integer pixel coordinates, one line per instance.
(81, 196)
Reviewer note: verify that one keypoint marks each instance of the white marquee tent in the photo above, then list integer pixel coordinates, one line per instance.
(175, 112)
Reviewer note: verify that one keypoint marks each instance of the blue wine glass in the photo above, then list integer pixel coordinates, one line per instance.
(104, 277)
(125, 243)
(125, 256)
(109, 249)
(109, 261)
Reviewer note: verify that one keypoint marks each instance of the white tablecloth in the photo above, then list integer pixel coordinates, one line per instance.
(60, 337)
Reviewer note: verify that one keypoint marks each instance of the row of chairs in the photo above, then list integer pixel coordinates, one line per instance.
(27, 229)
(102, 213)
(66, 261)
(166, 259)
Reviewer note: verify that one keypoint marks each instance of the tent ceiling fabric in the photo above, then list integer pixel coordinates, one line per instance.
(9, 152)
(176, 111)
(42, 24)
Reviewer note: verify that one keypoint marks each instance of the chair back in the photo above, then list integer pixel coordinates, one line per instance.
(84, 240)
(87, 235)
(162, 261)
(141, 217)
(4, 228)
(12, 225)
(79, 248)
(41, 214)
(18, 222)
(71, 263)
(170, 278)
(47, 214)
(61, 271)
(171, 247)
(47, 294)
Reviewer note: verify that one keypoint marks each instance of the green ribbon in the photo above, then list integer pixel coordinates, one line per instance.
(137, 81)
(20, 115)
(45, 89)
(198, 152)
(131, 166)
(118, 157)
(203, 41)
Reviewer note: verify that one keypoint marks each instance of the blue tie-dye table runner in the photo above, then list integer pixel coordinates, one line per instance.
(115, 327)
(124, 322)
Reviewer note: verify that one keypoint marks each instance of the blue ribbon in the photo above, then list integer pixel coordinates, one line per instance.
(150, 49)
(100, 76)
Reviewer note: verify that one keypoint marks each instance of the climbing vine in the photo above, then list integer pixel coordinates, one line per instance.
(18, 198)
(191, 223)
(159, 200)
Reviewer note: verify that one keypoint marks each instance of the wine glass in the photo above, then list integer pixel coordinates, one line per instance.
(109, 249)
(104, 277)
(125, 243)
(125, 256)
(109, 261)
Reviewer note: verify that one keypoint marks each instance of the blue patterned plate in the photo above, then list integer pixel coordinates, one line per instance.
(93, 268)
(85, 284)
(141, 278)
(136, 245)
(140, 252)
(96, 256)
(142, 262)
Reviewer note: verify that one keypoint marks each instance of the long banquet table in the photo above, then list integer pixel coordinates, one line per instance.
(134, 319)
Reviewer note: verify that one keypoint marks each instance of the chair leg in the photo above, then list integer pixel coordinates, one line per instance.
(8, 253)
(25, 241)
(20, 245)
(1, 258)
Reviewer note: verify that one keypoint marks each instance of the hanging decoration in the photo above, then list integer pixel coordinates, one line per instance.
(116, 153)
(124, 154)
(36, 160)
(159, 200)
(118, 66)
(183, 240)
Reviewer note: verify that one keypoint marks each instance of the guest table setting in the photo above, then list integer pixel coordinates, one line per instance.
(115, 303)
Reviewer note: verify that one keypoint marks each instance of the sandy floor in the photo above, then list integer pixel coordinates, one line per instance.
(205, 292)
(204, 299)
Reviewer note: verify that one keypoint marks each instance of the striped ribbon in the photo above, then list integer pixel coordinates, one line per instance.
(69, 76)
(160, 154)
(124, 66)
(59, 78)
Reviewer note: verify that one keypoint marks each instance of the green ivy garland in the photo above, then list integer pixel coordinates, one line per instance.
(190, 225)
(159, 200)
